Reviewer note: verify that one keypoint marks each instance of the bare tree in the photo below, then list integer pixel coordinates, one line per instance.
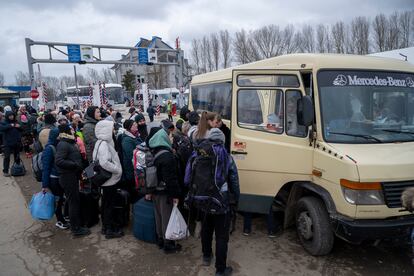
(268, 41)
(22, 78)
(241, 47)
(360, 35)
(93, 75)
(380, 28)
(338, 37)
(393, 36)
(196, 55)
(289, 41)
(307, 39)
(405, 28)
(225, 42)
(207, 53)
(320, 38)
(108, 76)
(215, 50)
(1, 79)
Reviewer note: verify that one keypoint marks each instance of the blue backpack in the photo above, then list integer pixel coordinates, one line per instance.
(206, 176)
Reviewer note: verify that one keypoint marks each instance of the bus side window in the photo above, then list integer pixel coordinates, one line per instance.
(260, 110)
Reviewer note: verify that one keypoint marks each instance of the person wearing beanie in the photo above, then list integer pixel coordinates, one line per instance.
(11, 131)
(129, 141)
(69, 165)
(142, 126)
(49, 123)
(132, 113)
(93, 115)
(50, 176)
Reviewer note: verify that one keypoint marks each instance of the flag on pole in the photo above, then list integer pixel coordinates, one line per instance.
(90, 100)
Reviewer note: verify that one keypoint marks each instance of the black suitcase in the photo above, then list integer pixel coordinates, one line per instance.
(89, 208)
(121, 208)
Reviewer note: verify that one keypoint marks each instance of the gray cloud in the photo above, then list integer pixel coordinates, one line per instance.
(123, 22)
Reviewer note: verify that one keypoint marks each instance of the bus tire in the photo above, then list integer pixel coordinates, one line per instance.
(313, 226)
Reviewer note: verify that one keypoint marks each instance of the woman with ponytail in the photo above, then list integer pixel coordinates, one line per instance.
(208, 120)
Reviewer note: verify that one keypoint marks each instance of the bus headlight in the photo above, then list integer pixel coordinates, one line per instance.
(362, 193)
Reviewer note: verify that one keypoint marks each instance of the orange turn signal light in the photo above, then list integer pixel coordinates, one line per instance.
(360, 185)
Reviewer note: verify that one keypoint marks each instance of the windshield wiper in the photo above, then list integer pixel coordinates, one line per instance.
(365, 136)
(398, 131)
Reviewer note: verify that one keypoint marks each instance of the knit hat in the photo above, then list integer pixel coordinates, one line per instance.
(61, 118)
(131, 110)
(167, 125)
(139, 117)
(50, 119)
(193, 118)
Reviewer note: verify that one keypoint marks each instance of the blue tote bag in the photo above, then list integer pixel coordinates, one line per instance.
(42, 206)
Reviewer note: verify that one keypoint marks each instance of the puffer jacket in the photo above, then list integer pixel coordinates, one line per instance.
(48, 158)
(11, 135)
(68, 157)
(166, 163)
(105, 153)
(89, 136)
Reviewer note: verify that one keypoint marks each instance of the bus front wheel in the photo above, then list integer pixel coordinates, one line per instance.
(313, 226)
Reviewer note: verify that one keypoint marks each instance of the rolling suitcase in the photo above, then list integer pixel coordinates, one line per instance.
(144, 221)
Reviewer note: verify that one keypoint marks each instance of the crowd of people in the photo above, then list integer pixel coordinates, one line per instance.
(71, 140)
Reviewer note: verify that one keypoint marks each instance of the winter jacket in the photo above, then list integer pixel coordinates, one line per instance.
(191, 132)
(151, 111)
(105, 153)
(48, 159)
(89, 136)
(68, 157)
(129, 143)
(11, 135)
(166, 163)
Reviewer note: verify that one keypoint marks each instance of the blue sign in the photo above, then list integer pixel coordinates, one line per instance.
(74, 53)
(142, 55)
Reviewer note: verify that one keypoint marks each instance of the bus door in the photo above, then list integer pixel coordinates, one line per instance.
(269, 146)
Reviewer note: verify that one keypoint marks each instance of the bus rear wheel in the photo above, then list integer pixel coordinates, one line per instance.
(313, 226)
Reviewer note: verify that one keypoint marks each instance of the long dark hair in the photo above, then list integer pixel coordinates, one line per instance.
(203, 125)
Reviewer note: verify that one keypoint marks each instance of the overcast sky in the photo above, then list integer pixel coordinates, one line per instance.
(123, 22)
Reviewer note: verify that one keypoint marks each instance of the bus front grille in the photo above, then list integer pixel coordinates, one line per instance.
(393, 190)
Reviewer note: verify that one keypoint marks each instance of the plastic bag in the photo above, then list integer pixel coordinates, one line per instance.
(42, 206)
(177, 228)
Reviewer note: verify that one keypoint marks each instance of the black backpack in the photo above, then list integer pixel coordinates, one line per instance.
(184, 148)
(208, 189)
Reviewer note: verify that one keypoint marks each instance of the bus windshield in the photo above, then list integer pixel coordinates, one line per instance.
(366, 106)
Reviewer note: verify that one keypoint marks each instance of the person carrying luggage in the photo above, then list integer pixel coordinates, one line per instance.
(104, 152)
(212, 177)
(168, 190)
(50, 177)
(69, 165)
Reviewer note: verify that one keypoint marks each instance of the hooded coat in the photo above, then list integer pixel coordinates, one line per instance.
(68, 158)
(105, 152)
(48, 158)
(11, 135)
(166, 163)
(89, 135)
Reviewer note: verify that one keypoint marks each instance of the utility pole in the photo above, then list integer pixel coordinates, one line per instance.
(77, 90)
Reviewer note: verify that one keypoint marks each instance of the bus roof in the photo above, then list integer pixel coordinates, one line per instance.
(311, 61)
(107, 85)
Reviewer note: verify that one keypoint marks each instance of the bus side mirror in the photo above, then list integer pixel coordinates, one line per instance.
(305, 112)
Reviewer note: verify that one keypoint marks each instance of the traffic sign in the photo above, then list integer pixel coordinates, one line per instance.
(34, 94)
(142, 55)
(74, 53)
